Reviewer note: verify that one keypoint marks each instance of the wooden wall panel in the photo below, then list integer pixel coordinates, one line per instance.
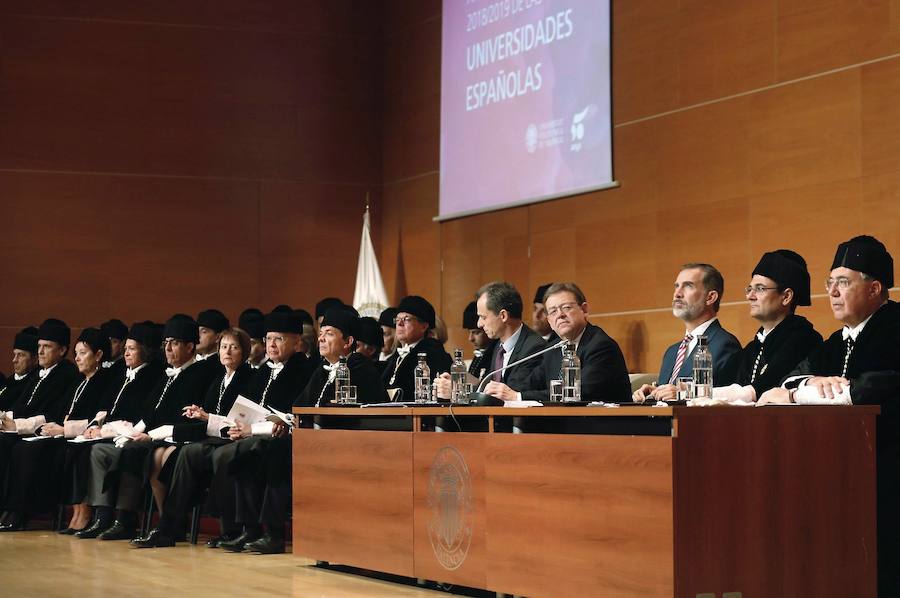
(159, 157)
(817, 36)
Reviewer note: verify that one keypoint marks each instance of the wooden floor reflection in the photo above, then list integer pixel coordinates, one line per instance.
(40, 563)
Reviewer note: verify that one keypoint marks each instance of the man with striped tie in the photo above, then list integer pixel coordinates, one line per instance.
(695, 301)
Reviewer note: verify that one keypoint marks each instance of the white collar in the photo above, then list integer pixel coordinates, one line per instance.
(173, 372)
(577, 340)
(510, 343)
(699, 330)
(229, 376)
(44, 372)
(130, 373)
(847, 331)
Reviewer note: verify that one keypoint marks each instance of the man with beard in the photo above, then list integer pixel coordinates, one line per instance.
(695, 301)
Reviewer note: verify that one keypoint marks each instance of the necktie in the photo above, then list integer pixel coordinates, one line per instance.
(679, 359)
(17, 377)
(847, 356)
(106, 364)
(498, 362)
(130, 374)
(43, 373)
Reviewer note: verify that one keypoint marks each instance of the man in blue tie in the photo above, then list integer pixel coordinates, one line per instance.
(695, 301)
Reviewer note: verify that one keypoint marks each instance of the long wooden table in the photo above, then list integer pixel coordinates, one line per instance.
(637, 501)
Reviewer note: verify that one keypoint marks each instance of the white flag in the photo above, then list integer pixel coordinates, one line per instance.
(370, 298)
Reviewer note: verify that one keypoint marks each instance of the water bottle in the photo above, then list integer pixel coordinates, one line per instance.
(423, 380)
(703, 370)
(571, 375)
(458, 377)
(341, 378)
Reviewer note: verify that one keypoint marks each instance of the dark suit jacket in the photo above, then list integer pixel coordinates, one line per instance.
(89, 401)
(517, 377)
(722, 344)
(604, 376)
(437, 359)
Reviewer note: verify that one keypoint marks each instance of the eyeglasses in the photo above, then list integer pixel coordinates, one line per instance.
(758, 289)
(405, 320)
(274, 339)
(562, 309)
(842, 282)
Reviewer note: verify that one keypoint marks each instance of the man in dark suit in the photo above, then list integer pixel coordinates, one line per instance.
(24, 368)
(499, 309)
(415, 317)
(604, 376)
(698, 294)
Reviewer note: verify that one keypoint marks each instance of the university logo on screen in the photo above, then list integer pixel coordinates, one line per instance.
(450, 501)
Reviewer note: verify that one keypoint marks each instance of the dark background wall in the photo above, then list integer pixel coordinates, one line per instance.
(171, 156)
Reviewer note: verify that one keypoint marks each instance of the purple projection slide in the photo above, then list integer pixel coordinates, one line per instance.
(525, 102)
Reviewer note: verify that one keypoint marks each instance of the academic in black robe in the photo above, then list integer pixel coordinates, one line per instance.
(13, 388)
(400, 372)
(39, 396)
(122, 402)
(874, 373)
(35, 467)
(789, 343)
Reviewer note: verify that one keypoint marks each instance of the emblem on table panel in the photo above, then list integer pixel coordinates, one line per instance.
(450, 501)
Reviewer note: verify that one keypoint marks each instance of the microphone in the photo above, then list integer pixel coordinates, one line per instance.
(486, 400)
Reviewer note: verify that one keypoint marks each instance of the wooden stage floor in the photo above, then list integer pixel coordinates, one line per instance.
(40, 563)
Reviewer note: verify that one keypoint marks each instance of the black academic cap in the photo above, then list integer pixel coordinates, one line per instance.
(470, 316)
(868, 255)
(418, 307)
(115, 329)
(539, 294)
(55, 330)
(305, 317)
(369, 332)
(212, 319)
(182, 327)
(252, 322)
(146, 333)
(325, 304)
(387, 317)
(282, 309)
(96, 339)
(287, 322)
(343, 318)
(26, 340)
(788, 269)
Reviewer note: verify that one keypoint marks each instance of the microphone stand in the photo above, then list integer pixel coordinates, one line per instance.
(485, 400)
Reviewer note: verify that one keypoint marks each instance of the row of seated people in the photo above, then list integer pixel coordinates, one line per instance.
(248, 468)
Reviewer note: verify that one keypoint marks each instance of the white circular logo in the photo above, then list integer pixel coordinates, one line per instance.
(450, 501)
